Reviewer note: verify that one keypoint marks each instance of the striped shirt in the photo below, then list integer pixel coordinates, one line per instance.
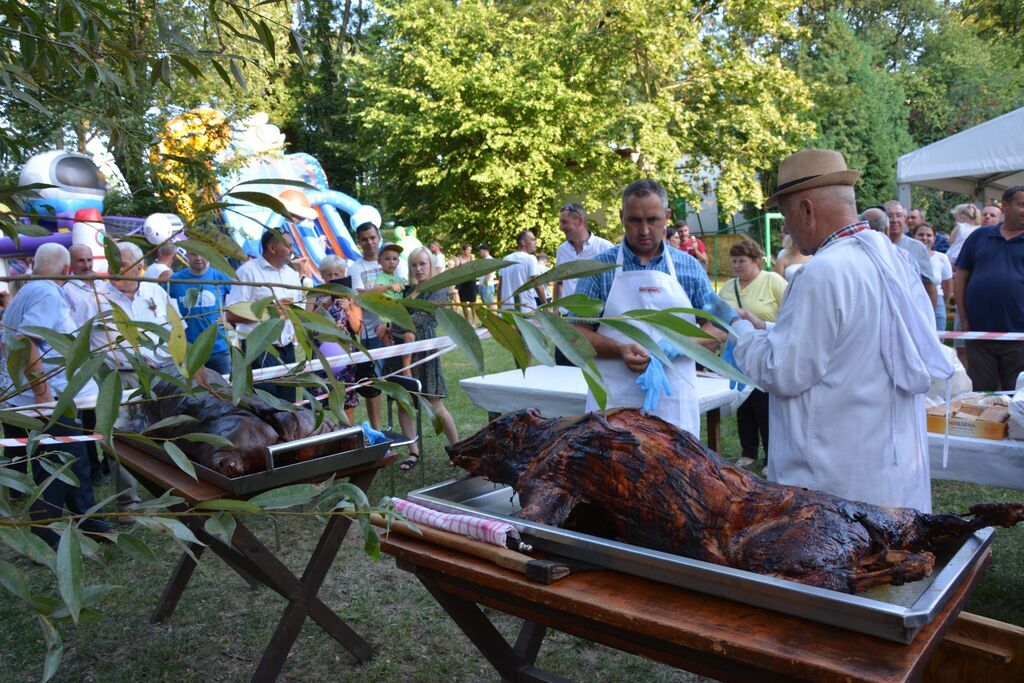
(689, 272)
(845, 231)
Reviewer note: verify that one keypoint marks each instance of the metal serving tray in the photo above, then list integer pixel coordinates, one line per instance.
(351, 439)
(892, 612)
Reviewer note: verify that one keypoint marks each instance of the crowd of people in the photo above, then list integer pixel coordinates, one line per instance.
(846, 318)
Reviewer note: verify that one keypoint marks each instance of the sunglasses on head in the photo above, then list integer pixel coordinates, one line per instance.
(576, 209)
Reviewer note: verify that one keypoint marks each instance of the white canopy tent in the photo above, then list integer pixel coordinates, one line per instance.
(982, 161)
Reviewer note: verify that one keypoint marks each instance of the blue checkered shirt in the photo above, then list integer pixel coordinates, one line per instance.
(689, 272)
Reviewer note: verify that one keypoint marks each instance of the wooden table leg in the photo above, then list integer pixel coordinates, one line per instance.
(512, 664)
(176, 584)
(714, 420)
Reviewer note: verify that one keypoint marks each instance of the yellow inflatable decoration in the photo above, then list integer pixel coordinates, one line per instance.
(184, 157)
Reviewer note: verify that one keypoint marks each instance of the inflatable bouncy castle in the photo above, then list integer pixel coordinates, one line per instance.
(324, 216)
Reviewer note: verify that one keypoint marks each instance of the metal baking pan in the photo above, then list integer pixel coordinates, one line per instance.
(891, 612)
(335, 451)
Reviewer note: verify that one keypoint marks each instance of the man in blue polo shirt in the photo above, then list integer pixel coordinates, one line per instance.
(200, 299)
(989, 289)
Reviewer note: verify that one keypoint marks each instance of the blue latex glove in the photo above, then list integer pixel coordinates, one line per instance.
(373, 437)
(669, 349)
(654, 382)
(728, 355)
(720, 308)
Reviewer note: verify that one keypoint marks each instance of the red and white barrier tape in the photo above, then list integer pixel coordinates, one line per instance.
(999, 336)
(341, 360)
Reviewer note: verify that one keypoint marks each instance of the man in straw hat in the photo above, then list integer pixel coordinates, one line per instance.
(852, 352)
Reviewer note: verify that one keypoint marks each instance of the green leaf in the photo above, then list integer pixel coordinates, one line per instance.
(267, 201)
(16, 419)
(19, 481)
(54, 647)
(208, 252)
(113, 256)
(108, 403)
(536, 342)
(180, 459)
(176, 344)
(566, 271)
(295, 43)
(60, 342)
(580, 304)
(14, 581)
(25, 543)
(464, 273)
(229, 505)
(222, 526)
(670, 318)
(387, 309)
(80, 349)
(640, 337)
(458, 329)
(344, 491)
(241, 376)
(171, 421)
(567, 338)
(31, 230)
(66, 401)
(237, 73)
(135, 548)
(69, 571)
(199, 350)
(398, 393)
(276, 181)
(179, 530)
(285, 497)
(371, 542)
(506, 335)
(203, 437)
(261, 337)
(596, 384)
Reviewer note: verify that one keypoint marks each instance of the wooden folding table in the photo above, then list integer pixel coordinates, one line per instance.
(254, 562)
(688, 630)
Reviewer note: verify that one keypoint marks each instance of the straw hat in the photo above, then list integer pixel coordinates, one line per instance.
(811, 168)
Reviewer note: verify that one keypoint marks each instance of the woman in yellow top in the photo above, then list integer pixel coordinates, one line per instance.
(760, 293)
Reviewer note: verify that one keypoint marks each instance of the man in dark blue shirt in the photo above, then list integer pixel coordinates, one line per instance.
(200, 299)
(989, 289)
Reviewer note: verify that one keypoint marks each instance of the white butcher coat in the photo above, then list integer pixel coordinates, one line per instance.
(838, 419)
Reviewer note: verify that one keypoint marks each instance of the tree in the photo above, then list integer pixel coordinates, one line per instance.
(480, 118)
(860, 107)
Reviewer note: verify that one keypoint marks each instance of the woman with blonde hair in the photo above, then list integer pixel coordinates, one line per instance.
(789, 259)
(432, 384)
(967, 218)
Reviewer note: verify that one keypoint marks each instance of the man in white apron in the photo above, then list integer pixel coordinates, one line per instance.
(650, 275)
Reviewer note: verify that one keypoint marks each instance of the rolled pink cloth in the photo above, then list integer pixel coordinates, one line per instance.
(486, 530)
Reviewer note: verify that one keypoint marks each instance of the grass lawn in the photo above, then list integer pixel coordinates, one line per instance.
(221, 626)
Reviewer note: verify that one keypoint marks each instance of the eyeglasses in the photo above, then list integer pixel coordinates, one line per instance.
(576, 209)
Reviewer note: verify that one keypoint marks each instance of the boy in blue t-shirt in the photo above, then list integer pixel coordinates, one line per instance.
(200, 305)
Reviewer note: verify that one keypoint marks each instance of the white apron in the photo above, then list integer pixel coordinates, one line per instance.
(652, 290)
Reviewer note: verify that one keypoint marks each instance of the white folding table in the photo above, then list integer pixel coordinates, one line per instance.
(559, 391)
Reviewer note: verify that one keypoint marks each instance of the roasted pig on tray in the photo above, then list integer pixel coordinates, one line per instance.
(637, 479)
(252, 427)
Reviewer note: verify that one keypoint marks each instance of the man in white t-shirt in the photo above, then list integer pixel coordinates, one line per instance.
(272, 267)
(364, 272)
(579, 244)
(438, 256)
(512, 277)
(161, 268)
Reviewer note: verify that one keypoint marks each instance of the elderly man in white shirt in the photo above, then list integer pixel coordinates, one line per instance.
(81, 293)
(140, 302)
(852, 352)
(270, 275)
